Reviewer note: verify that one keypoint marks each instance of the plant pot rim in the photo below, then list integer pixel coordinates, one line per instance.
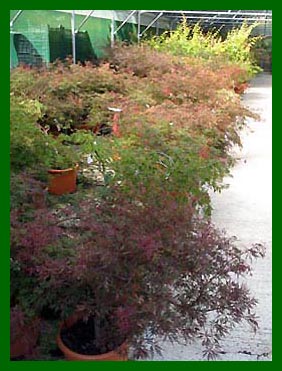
(59, 171)
(85, 357)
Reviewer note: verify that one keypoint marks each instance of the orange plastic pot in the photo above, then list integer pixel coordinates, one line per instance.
(119, 354)
(62, 181)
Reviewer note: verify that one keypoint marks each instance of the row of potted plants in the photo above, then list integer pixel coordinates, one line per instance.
(132, 262)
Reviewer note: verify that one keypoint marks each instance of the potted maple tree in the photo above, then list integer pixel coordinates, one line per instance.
(32, 147)
(125, 272)
(62, 162)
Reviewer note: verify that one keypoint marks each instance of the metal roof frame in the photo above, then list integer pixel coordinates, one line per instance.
(216, 17)
(115, 31)
(84, 20)
(210, 12)
(19, 12)
(227, 17)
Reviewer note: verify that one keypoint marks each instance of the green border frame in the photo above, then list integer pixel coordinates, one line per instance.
(5, 191)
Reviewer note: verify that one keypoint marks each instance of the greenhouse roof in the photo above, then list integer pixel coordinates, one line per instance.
(207, 18)
(224, 19)
(216, 17)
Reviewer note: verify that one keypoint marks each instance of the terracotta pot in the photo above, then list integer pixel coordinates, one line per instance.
(62, 181)
(92, 128)
(241, 87)
(25, 340)
(115, 355)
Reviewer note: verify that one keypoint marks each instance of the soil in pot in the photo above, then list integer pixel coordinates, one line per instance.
(81, 337)
(48, 314)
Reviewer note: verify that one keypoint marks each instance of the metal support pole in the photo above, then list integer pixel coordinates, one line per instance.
(151, 23)
(238, 13)
(73, 37)
(173, 23)
(113, 31)
(84, 20)
(265, 23)
(138, 25)
(11, 58)
(15, 17)
(126, 19)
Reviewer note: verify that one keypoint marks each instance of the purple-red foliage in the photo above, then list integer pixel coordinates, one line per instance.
(154, 266)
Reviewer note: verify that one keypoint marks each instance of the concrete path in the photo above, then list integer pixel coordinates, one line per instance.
(245, 210)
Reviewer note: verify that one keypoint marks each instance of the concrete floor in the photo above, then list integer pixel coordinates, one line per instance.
(245, 210)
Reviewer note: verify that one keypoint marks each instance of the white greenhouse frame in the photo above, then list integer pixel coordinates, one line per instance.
(228, 18)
